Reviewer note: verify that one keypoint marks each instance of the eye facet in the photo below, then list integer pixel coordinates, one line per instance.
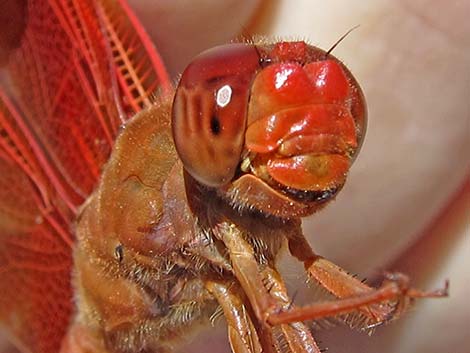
(209, 112)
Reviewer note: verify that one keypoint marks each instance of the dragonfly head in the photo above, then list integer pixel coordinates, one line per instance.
(274, 127)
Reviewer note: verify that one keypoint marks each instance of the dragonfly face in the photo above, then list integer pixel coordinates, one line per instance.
(286, 119)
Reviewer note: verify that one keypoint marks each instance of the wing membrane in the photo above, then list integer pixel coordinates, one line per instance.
(35, 244)
(82, 69)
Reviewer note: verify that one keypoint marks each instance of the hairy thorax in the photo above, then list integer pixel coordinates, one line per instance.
(145, 248)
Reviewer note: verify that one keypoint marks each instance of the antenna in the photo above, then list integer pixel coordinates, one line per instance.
(340, 40)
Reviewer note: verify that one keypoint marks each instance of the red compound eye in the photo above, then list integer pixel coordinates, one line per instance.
(209, 111)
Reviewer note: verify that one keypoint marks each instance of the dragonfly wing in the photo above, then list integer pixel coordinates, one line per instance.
(35, 245)
(82, 69)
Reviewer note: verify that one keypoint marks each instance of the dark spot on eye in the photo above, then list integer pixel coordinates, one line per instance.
(215, 125)
(119, 253)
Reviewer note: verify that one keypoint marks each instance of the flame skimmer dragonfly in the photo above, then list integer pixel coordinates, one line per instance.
(129, 213)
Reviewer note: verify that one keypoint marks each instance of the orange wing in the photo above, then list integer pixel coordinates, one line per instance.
(82, 69)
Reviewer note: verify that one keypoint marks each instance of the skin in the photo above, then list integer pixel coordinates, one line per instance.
(411, 58)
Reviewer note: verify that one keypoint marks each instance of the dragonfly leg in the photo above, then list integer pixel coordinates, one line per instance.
(389, 301)
(296, 334)
(246, 269)
(395, 288)
(266, 293)
(241, 330)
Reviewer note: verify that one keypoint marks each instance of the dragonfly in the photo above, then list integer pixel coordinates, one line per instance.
(132, 211)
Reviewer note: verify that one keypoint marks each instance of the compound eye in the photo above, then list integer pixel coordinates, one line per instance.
(209, 112)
